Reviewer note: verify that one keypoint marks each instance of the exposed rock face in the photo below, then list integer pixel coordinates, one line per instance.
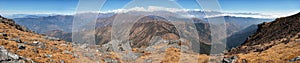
(282, 30)
(8, 57)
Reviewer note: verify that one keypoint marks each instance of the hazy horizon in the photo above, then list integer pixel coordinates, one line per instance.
(276, 8)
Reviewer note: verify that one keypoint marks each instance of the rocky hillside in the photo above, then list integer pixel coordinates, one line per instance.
(19, 45)
(283, 29)
(276, 41)
(240, 37)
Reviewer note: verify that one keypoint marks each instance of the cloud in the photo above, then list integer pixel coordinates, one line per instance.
(156, 8)
(243, 15)
(149, 9)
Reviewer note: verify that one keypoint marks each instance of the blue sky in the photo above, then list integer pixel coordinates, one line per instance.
(69, 6)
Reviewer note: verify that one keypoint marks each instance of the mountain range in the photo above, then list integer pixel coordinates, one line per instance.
(63, 23)
(269, 41)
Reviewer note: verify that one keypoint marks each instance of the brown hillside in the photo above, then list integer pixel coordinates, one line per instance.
(41, 49)
(282, 29)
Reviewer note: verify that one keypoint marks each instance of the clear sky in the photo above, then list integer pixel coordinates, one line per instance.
(69, 6)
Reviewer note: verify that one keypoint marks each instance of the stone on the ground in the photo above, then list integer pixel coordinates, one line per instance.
(131, 56)
(51, 38)
(16, 40)
(3, 34)
(295, 59)
(62, 61)
(7, 57)
(42, 46)
(230, 60)
(48, 55)
(109, 60)
(66, 52)
(36, 43)
(148, 61)
(244, 61)
(21, 46)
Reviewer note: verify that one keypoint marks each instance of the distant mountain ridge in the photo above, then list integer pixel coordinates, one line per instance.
(44, 24)
(60, 26)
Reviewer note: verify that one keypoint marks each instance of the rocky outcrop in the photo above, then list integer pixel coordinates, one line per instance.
(269, 34)
(8, 57)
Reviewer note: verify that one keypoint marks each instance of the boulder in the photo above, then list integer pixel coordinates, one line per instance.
(230, 59)
(3, 34)
(54, 48)
(109, 60)
(76, 55)
(244, 61)
(42, 46)
(67, 52)
(7, 57)
(131, 56)
(21, 46)
(148, 61)
(26, 43)
(62, 61)
(51, 38)
(89, 54)
(48, 55)
(295, 59)
(36, 43)
(16, 40)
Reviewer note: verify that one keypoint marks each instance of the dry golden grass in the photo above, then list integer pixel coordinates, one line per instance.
(280, 53)
(29, 52)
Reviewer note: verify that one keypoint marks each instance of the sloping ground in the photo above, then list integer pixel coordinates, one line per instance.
(173, 55)
(274, 42)
(33, 46)
(286, 27)
(281, 53)
(240, 37)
